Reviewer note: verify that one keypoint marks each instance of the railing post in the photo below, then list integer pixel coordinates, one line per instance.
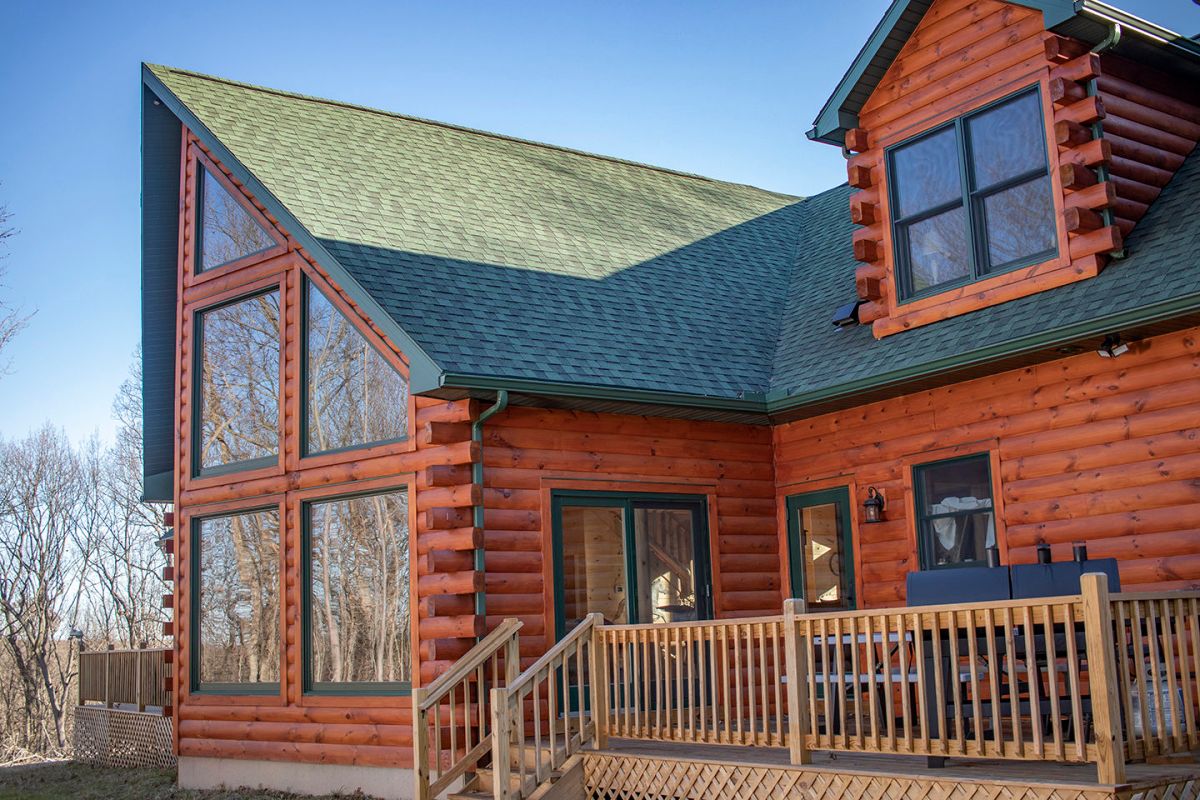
(108, 676)
(1102, 678)
(598, 677)
(797, 683)
(420, 735)
(501, 752)
(137, 680)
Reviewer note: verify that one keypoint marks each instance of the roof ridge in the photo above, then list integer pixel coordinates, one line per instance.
(465, 129)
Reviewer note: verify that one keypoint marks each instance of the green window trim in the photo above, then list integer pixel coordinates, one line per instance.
(196, 427)
(840, 497)
(307, 286)
(971, 199)
(314, 688)
(627, 501)
(195, 634)
(923, 521)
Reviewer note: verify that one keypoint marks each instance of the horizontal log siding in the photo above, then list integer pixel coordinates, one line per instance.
(1101, 451)
(527, 449)
(291, 726)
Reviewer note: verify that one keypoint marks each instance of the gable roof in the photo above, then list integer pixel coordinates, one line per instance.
(604, 284)
(1087, 20)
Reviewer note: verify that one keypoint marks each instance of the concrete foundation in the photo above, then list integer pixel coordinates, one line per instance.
(389, 783)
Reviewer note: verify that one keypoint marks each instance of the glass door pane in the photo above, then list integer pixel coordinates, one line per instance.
(664, 539)
(594, 576)
(822, 561)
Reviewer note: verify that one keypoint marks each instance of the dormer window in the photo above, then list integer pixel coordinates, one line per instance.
(972, 197)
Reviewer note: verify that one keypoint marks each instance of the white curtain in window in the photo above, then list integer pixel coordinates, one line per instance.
(946, 528)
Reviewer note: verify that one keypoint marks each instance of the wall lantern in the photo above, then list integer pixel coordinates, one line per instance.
(873, 506)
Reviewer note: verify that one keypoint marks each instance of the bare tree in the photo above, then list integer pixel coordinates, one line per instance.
(44, 559)
(12, 320)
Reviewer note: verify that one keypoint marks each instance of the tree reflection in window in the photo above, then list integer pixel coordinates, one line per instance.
(354, 395)
(237, 605)
(358, 590)
(239, 381)
(227, 230)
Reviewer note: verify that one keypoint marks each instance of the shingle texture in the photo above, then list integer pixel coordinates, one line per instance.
(512, 259)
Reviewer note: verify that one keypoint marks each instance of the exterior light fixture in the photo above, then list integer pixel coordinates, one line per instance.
(1112, 346)
(847, 315)
(873, 506)
(166, 542)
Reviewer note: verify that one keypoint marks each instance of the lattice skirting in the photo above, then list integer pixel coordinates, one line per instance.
(115, 738)
(617, 777)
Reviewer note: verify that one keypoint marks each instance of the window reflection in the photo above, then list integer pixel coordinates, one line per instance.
(239, 381)
(355, 396)
(358, 590)
(227, 231)
(238, 598)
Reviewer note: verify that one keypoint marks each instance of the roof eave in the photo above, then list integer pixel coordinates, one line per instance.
(424, 372)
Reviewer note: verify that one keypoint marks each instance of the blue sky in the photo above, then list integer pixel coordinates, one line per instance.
(724, 89)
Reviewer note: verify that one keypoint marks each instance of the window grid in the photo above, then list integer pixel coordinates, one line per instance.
(974, 198)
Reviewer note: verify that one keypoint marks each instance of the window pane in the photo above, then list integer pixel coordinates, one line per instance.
(958, 495)
(358, 579)
(666, 564)
(1007, 140)
(594, 564)
(239, 381)
(925, 173)
(821, 545)
(354, 395)
(238, 621)
(938, 251)
(1020, 222)
(227, 231)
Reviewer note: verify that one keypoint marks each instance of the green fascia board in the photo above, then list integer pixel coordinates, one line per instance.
(748, 403)
(159, 487)
(838, 115)
(424, 372)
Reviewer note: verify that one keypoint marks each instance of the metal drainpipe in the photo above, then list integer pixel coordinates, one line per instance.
(477, 479)
(1110, 41)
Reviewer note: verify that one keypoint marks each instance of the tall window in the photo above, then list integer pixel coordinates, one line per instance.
(354, 396)
(236, 602)
(955, 519)
(357, 608)
(238, 390)
(972, 197)
(227, 231)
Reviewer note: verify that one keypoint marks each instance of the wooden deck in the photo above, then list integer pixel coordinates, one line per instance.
(635, 769)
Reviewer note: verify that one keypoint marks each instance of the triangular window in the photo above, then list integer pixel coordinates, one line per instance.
(228, 232)
(354, 395)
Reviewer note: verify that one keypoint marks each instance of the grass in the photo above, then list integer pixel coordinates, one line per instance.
(58, 780)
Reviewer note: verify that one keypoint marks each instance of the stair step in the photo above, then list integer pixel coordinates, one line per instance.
(471, 795)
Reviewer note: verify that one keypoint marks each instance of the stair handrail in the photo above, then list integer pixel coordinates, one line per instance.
(502, 645)
(508, 710)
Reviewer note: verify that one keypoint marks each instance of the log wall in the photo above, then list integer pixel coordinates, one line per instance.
(967, 53)
(1083, 449)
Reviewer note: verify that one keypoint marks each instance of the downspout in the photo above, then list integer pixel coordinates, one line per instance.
(1110, 41)
(477, 480)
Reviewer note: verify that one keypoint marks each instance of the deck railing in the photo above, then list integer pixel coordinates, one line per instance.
(544, 717)
(714, 682)
(452, 717)
(137, 678)
(1092, 677)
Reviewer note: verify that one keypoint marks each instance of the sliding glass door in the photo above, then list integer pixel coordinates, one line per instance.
(639, 558)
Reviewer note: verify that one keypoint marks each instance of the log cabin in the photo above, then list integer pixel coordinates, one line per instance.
(455, 425)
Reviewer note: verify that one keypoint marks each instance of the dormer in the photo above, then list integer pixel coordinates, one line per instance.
(1001, 149)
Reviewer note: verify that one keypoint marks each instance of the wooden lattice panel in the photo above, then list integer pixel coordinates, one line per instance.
(113, 738)
(1184, 790)
(619, 777)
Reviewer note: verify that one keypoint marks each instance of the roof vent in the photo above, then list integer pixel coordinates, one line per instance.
(846, 316)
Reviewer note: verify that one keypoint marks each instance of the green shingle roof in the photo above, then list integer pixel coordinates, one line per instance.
(514, 261)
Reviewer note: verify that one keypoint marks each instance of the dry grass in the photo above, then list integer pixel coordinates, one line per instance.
(58, 780)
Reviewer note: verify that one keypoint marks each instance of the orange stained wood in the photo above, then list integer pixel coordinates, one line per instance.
(1083, 449)
(967, 53)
